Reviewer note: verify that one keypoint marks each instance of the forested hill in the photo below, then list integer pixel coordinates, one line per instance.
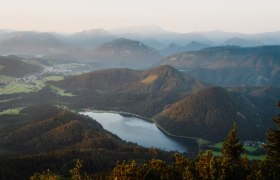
(160, 79)
(231, 65)
(45, 136)
(141, 92)
(181, 104)
(14, 66)
(209, 113)
(59, 129)
(229, 165)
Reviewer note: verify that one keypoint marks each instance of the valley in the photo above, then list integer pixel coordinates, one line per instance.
(139, 90)
(162, 93)
(35, 81)
(190, 98)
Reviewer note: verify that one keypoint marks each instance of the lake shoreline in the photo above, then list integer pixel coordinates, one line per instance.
(126, 114)
(197, 141)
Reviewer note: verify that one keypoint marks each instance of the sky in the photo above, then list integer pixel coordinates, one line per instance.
(246, 16)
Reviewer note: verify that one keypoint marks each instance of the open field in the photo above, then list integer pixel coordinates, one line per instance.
(15, 87)
(12, 85)
(248, 148)
(7, 100)
(60, 92)
(11, 111)
(5, 79)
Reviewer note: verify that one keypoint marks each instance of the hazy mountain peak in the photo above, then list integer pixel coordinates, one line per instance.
(123, 40)
(95, 32)
(194, 43)
(192, 46)
(172, 45)
(126, 44)
(237, 41)
(142, 30)
(124, 52)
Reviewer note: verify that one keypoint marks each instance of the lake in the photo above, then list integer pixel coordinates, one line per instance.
(140, 131)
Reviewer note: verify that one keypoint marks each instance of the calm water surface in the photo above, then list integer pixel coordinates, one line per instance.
(139, 131)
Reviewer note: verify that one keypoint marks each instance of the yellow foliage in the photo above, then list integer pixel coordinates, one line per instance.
(149, 79)
(46, 176)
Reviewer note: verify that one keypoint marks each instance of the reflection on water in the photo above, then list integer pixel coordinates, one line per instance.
(139, 131)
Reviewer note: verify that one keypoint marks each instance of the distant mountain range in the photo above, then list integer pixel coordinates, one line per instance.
(231, 65)
(96, 46)
(220, 65)
(159, 38)
(28, 43)
(75, 47)
(88, 39)
(235, 41)
(192, 46)
(214, 38)
(219, 37)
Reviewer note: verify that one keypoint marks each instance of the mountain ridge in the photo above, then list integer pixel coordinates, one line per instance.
(125, 89)
(124, 52)
(230, 65)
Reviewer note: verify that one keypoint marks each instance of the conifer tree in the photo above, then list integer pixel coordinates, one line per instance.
(232, 147)
(272, 146)
(231, 165)
(202, 165)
